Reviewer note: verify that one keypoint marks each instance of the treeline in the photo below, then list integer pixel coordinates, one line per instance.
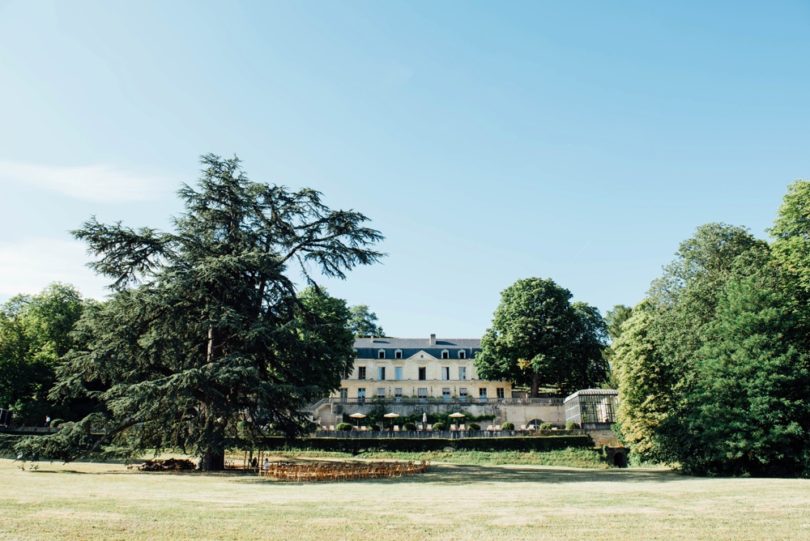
(713, 366)
(36, 331)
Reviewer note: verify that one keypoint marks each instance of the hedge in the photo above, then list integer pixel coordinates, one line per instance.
(354, 445)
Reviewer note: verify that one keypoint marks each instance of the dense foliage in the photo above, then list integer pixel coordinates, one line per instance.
(538, 337)
(363, 322)
(714, 365)
(35, 332)
(207, 340)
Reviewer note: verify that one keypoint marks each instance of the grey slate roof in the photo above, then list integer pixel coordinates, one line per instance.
(367, 348)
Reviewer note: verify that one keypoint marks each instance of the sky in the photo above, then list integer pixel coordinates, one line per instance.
(488, 141)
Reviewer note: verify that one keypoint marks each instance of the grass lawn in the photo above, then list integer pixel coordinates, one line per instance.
(453, 501)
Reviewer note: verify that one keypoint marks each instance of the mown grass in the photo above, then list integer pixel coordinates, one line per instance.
(106, 501)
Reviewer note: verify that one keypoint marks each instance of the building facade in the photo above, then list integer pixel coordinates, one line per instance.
(418, 370)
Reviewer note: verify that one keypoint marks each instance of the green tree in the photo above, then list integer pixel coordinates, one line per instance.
(363, 322)
(748, 412)
(206, 337)
(35, 332)
(614, 319)
(791, 233)
(677, 312)
(642, 373)
(539, 338)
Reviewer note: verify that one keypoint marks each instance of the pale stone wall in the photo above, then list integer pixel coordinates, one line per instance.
(410, 388)
(410, 367)
(518, 414)
(410, 382)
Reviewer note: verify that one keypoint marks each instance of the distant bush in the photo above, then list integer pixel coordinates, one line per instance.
(508, 426)
(439, 426)
(571, 425)
(409, 427)
(344, 427)
(474, 426)
(546, 426)
(56, 422)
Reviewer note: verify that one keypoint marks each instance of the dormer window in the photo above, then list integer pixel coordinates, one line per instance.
(381, 354)
(462, 354)
(398, 354)
(445, 354)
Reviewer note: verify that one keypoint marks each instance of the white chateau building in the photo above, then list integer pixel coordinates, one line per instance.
(410, 376)
(413, 370)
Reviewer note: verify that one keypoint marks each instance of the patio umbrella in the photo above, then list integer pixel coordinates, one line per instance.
(457, 415)
(424, 420)
(391, 415)
(358, 416)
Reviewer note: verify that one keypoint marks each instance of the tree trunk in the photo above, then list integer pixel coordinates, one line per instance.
(535, 385)
(212, 460)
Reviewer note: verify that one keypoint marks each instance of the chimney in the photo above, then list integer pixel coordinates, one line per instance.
(432, 339)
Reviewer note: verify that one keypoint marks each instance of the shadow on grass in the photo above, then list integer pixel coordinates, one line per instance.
(464, 474)
(446, 474)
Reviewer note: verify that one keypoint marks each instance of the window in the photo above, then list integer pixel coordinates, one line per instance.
(445, 373)
(398, 373)
(462, 372)
(482, 394)
(398, 394)
(381, 354)
(422, 373)
(381, 373)
(421, 392)
(445, 354)
(398, 354)
(446, 394)
(344, 394)
(361, 372)
(462, 394)
(380, 392)
(462, 354)
(361, 395)
(499, 393)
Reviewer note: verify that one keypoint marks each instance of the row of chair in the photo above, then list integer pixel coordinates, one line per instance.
(337, 471)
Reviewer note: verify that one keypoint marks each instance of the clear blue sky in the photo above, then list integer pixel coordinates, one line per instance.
(488, 141)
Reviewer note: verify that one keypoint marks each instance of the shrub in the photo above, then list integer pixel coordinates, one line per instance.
(56, 422)
(508, 426)
(546, 426)
(409, 427)
(353, 445)
(474, 426)
(344, 427)
(571, 425)
(439, 426)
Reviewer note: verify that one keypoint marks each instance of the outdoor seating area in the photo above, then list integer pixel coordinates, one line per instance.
(339, 471)
(428, 431)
